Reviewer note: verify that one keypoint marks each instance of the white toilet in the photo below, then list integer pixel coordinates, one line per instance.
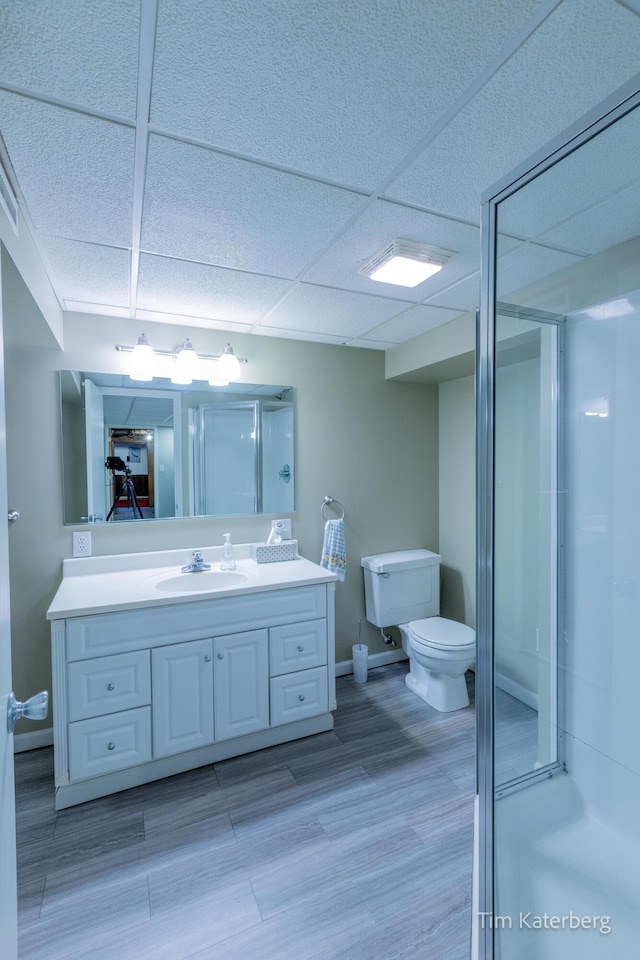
(403, 589)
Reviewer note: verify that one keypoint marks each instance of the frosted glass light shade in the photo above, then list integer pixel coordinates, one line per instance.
(216, 376)
(405, 272)
(228, 364)
(186, 365)
(142, 360)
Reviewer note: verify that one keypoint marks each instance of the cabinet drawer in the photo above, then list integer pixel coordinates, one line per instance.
(104, 744)
(108, 684)
(297, 646)
(295, 696)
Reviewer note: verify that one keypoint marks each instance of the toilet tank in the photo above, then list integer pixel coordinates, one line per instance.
(402, 586)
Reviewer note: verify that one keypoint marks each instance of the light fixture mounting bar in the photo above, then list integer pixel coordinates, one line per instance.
(123, 348)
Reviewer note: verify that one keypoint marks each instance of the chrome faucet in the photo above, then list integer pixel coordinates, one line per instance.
(197, 564)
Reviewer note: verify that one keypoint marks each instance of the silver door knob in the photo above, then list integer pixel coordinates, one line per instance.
(35, 708)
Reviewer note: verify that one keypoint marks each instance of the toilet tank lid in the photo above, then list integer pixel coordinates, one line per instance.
(400, 560)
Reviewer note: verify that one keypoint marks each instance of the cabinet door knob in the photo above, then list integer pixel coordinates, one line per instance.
(300, 648)
(207, 658)
(110, 686)
(221, 656)
(111, 746)
(301, 696)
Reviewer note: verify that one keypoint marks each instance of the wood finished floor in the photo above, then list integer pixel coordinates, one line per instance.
(354, 844)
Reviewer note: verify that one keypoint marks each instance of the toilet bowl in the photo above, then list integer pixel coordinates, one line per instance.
(403, 589)
(440, 652)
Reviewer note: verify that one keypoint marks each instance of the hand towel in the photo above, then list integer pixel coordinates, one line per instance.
(334, 557)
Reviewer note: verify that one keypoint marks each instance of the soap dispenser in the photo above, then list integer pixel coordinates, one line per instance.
(228, 561)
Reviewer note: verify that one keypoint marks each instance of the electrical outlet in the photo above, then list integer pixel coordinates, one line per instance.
(284, 528)
(82, 544)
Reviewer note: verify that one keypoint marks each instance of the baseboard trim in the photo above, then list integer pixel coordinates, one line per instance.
(375, 660)
(33, 740)
(515, 689)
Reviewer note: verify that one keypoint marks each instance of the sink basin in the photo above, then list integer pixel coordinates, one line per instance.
(199, 582)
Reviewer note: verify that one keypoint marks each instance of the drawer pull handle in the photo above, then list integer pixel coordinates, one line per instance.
(207, 658)
(110, 686)
(301, 696)
(111, 746)
(300, 648)
(221, 656)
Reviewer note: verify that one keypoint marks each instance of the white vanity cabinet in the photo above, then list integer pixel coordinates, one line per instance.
(241, 683)
(182, 696)
(147, 692)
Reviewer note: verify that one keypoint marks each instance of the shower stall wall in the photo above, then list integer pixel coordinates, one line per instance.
(243, 457)
(558, 402)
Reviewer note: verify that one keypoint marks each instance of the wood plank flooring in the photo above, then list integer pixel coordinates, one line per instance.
(354, 844)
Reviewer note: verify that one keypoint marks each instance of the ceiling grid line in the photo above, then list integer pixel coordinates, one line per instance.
(148, 23)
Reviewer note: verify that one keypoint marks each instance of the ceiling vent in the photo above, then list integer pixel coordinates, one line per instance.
(406, 263)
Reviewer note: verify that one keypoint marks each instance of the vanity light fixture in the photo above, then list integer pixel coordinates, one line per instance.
(188, 365)
(406, 263)
(142, 360)
(228, 364)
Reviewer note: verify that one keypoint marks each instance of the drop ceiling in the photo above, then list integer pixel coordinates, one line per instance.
(231, 163)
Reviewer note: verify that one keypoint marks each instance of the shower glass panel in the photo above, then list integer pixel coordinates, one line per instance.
(559, 551)
(525, 569)
(229, 443)
(243, 458)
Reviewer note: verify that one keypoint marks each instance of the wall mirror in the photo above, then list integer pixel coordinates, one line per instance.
(152, 451)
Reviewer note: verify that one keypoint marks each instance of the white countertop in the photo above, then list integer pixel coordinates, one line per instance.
(93, 585)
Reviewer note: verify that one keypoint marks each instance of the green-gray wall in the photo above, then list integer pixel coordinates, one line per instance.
(371, 443)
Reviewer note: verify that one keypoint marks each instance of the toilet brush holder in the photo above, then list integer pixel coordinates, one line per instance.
(360, 653)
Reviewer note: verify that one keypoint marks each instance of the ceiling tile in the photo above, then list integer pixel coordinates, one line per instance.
(563, 69)
(198, 290)
(371, 344)
(317, 86)
(75, 171)
(88, 272)
(102, 309)
(186, 320)
(464, 295)
(82, 51)
(383, 222)
(598, 169)
(206, 206)
(604, 225)
(308, 308)
(411, 323)
(284, 333)
(526, 264)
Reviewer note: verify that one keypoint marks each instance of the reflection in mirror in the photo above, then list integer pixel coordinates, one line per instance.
(158, 450)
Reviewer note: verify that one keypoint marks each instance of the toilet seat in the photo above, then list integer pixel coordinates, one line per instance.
(438, 633)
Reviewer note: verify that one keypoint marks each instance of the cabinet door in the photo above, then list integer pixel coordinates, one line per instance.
(241, 683)
(182, 677)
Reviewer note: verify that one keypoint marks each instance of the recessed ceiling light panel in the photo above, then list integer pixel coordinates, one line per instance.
(406, 263)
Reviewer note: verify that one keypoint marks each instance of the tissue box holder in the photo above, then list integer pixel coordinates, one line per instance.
(275, 552)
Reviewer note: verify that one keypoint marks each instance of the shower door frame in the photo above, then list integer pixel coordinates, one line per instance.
(605, 114)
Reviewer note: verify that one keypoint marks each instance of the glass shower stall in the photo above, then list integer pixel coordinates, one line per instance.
(558, 668)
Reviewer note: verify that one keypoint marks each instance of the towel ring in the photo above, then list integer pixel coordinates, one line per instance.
(326, 502)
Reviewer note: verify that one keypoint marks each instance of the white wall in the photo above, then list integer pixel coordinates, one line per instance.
(602, 652)
(370, 443)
